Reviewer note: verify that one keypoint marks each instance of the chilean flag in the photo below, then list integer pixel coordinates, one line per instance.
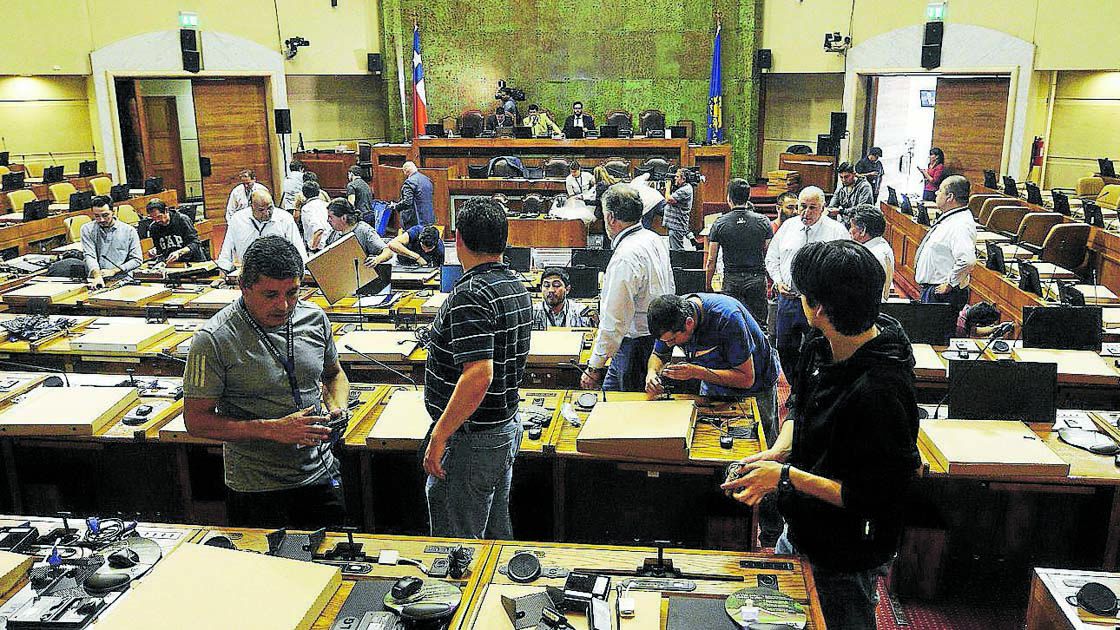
(419, 98)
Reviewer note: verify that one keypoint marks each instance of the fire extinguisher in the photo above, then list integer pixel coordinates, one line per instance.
(1037, 150)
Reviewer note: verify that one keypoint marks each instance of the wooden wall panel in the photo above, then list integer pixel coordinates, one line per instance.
(969, 121)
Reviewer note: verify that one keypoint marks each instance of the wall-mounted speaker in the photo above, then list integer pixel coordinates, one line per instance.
(375, 63)
(283, 121)
(192, 52)
(931, 56)
(931, 44)
(838, 125)
(763, 59)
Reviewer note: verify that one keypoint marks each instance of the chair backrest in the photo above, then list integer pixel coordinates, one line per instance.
(555, 167)
(450, 123)
(101, 185)
(1035, 227)
(471, 118)
(689, 125)
(60, 192)
(501, 168)
(990, 204)
(20, 197)
(657, 167)
(74, 226)
(127, 214)
(1109, 197)
(1089, 186)
(617, 167)
(650, 119)
(620, 118)
(976, 202)
(1006, 218)
(4, 170)
(799, 149)
(1067, 245)
(534, 203)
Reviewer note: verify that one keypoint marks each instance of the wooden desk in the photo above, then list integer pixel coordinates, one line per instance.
(1048, 609)
(547, 233)
(330, 167)
(815, 170)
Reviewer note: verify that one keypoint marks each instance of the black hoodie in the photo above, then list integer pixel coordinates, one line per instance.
(856, 422)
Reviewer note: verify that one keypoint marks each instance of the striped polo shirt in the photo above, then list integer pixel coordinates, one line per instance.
(488, 315)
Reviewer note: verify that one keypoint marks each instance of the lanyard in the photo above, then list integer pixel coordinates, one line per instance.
(933, 227)
(259, 226)
(289, 364)
(563, 315)
(621, 237)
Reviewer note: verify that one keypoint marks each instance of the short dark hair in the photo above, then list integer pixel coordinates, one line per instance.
(533, 107)
(355, 170)
(295, 165)
(156, 204)
(845, 279)
(667, 313)
(958, 186)
(557, 272)
(786, 195)
(624, 202)
(739, 191)
(101, 200)
(870, 219)
(876, 151)
(482, 224)
(273, 257)
(845, 167)
(429, 236)
(310, 190)
(580, 103)
(343, 209)
(574, 165)
(310, 176)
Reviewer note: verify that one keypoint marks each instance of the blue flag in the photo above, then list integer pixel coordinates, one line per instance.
(715, 95)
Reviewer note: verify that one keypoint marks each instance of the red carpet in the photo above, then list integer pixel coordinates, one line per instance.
(890, 615)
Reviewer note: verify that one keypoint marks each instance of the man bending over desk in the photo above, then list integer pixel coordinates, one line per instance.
(418, 245)
(109, 244)
(173, 235)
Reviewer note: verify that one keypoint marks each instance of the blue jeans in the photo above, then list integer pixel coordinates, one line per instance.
(957, 297)
(676, 239)
(473, 501)
(627, 371)
(848, 600)
(790, 327)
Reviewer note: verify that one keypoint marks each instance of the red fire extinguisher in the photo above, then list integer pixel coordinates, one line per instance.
(1037, 151)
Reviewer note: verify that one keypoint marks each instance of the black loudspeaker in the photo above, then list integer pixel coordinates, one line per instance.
(838, 125)
(931, 44)
(284, 121)
(192, 53)
(375, 63)
(827, 145)
(763, 59)
(931, 56)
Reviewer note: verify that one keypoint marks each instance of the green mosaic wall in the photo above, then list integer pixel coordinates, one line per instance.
(655, 54)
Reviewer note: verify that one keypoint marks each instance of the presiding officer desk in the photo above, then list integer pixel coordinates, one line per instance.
(482, 582)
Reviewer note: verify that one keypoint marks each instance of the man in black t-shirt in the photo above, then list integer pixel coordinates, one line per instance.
(742, 234)
(357, 191)
(476, 361)
(173, 235)
(871, 169)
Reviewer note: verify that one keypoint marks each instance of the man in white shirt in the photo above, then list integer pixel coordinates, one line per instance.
(639, 270)
(263, 219)
(866, 228)
(293, 183)
(810, 226)
(943, 264)
(580, 183)
(240, 196)
(313, 218)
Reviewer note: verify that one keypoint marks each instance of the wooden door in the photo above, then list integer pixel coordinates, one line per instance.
(160, 141)
(232, 120)
(968, 124)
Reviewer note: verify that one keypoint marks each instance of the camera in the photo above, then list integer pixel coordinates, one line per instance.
(292, 45)
(504, 90)
(691, 175)
(836, 43)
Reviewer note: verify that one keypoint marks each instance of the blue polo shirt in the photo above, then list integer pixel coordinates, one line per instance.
(435, 257)
(725, 338)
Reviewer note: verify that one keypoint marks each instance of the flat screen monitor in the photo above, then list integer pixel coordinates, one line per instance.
(1106, 167)
(523, 133)
(153, 185)
(1029, 280)
(1034, 193)
(119, 192)
(573, 133)
(383, 281)
(5, 158)
(923, 214)
(678, 131)
(519, 258)
(434, 130)
(598, 258)
(1003, 390)
(469, 131)
(12, 181)
(35, 210)
(53, 174)
(87, 168)
(1061, 202)
(585, 282)
(688, 281)
(608, 131)
(934, 324)
(995, 260)
(1009, 187)
(990, 179)
(892, 196)
(1093, 214)
(365, 152)
(81, 200)
(905, 206)
(1063, 327)
(682, 259)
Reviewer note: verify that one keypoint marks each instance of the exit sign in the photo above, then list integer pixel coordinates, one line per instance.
(935, 11)
(188, 19)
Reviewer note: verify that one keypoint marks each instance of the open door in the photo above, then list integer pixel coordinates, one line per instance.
(232, 119)
(161, 144)
(968, 123)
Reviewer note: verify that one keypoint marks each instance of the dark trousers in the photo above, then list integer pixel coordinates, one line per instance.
(627, 371)
(306, 507)
(848, 600)
(791, 327)
(957, 297)
(750, 289)
(929, 195)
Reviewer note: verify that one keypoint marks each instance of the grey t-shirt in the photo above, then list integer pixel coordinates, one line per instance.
(372, 244)
(363, 196)
(677, 216)
(229, 362)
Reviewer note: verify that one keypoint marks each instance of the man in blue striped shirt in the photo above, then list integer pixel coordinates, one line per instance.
(476, 360)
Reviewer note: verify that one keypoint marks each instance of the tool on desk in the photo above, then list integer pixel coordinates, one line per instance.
(662, 567)
(382, 365)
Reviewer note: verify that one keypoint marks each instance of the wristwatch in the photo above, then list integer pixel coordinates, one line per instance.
(785, 486)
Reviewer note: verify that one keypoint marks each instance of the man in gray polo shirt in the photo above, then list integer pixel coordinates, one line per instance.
(253, 381)
(109, 245)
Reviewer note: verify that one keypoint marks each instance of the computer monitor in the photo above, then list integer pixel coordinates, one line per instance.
(35, 210)
(934, 324)
(686, 259)
(383, 281)
(1061, 202)
(678, 131)
(1069, 294)
(995, 260)
(153, 185)
(365, 152)
(87, 168)
(119, 192)
(434, 130)
(81, 200)
(892, 196)
(1093, 214)
(608, 131)
(1063, 327)
(688, 281)
(585, 282)
(53, 174)
(470, 131)
(519, 258)
(1009, 187)
(1106, 167)
(1034, 193)
(573, 133)
(922, 215)
(904, 205)
(990, 179)
(5, 158)
(523, 133)
(12, 181)
(1003, 390)
(598, 258)
(1029, 280)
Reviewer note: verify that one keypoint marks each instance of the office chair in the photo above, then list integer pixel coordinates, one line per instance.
(658, 168)
(101, 185)
(1034, 229)
(650, 119)
(799, 149)
(1067, 246)
(60, 192)
(74, 226)
(1006, 219)
(555, 167)
(472, 118)
(621, 119)
(534, 203)
(1109, 197)
(618, 168)
(127, 214)
(991, 203)
(20, 197)
(1089, 186)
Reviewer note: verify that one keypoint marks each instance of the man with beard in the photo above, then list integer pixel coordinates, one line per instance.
(555, 309)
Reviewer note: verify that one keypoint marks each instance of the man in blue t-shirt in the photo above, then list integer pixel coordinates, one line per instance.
(418, 245)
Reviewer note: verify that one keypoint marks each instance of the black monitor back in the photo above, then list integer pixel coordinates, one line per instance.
(905, 206)
(688, 281)
(469, 131)
(53, 174)
(1009, 187)
(522, 132)
(1003, 390)
(922, 215)
(384, 279)
(608, 131)
(1034, 193)
(585, 282)
(573, 133)
(678, 131)
(598, 258)
(1061, 203)
(153, 185)
(1093, 214)
(5, 158)
(519, 258)
(34, 210)
(892, 196)
(87, 168)
(995, 260)
(990, 180)
(435, 130)
(1106, 167)
(82, 200)
(12, 181)
(119, 192)
(1063, 327)
(934, 324)
(686, 259)
(1029, 279)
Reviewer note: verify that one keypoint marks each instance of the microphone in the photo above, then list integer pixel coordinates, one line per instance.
(1002, 330)
(163, 354)
(382, 365)
(52, 158)
(1096, 292)
(358, 285)
(37, 368)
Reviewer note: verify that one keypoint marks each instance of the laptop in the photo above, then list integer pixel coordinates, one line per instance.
(522, 133)
(1106, 167)
(35, 210)
(608, 131)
